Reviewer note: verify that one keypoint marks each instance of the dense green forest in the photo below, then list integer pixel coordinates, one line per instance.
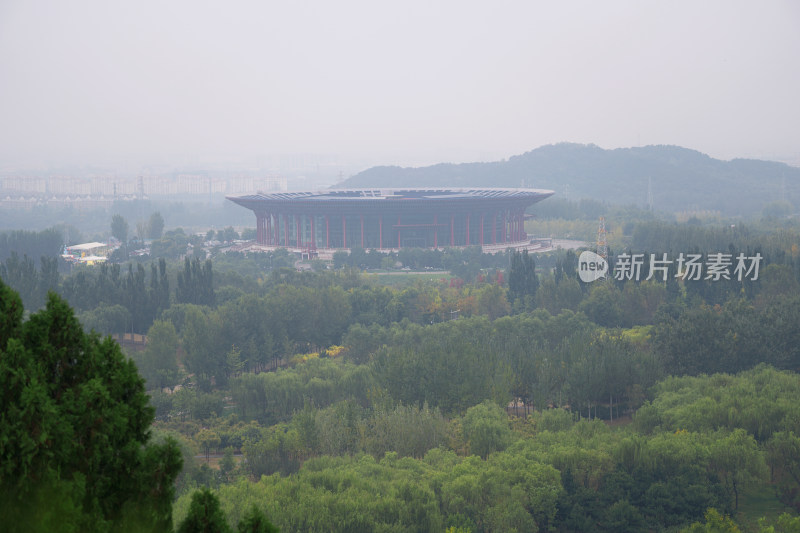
(505, 396)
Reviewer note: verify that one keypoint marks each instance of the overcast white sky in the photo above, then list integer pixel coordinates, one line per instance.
(411, 82)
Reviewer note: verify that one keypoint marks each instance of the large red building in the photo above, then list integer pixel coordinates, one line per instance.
(391, 218)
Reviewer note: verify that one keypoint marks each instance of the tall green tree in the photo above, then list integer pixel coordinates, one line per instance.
(21, 275)
(205, 353)
(486, 429)
(158, 362)
(522, 281)
(205, 515)
(195, 283)
(738, 462)
(783, 453)
(45, 243)
(74, 429)
(155, 226)
(119, 228)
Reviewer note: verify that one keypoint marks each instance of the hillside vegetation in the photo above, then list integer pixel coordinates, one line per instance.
(679, 178)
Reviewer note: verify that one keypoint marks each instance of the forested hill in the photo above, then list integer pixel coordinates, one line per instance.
(681, 179)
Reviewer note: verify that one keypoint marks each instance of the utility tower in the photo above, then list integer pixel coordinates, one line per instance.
(602, 245)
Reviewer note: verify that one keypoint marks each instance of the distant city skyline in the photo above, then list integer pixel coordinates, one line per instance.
(361, 83)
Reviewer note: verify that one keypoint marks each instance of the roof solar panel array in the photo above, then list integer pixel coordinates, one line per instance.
(397, 194)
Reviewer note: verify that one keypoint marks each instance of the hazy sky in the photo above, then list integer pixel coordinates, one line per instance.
(409, 82)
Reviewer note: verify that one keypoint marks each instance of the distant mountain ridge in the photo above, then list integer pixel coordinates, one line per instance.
(680, 179)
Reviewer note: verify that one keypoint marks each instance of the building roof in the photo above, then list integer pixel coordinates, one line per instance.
(389, 200)
(86, 246)
(332, 195)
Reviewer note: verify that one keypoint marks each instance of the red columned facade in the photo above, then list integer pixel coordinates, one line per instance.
(391, 218)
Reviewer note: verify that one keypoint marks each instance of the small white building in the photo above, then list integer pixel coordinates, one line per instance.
(88, 253)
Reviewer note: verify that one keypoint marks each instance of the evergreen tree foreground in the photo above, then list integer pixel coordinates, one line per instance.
(75, 447)
(206, 516)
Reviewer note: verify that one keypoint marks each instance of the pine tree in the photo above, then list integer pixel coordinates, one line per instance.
(205, 515)
(74, 429)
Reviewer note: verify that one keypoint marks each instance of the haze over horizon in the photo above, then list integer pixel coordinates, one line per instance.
(90, 82)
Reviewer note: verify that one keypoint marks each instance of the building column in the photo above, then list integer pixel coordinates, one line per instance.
(362, 231)
(268, 235)
(398, 232)
(514, 226)
(380, 233)
(313, 237)
(467, 229)
(435, 230)
(327, 231)
(344, 233)
(286, 230)
(297, 223)
(481, 229)
(452, 230)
